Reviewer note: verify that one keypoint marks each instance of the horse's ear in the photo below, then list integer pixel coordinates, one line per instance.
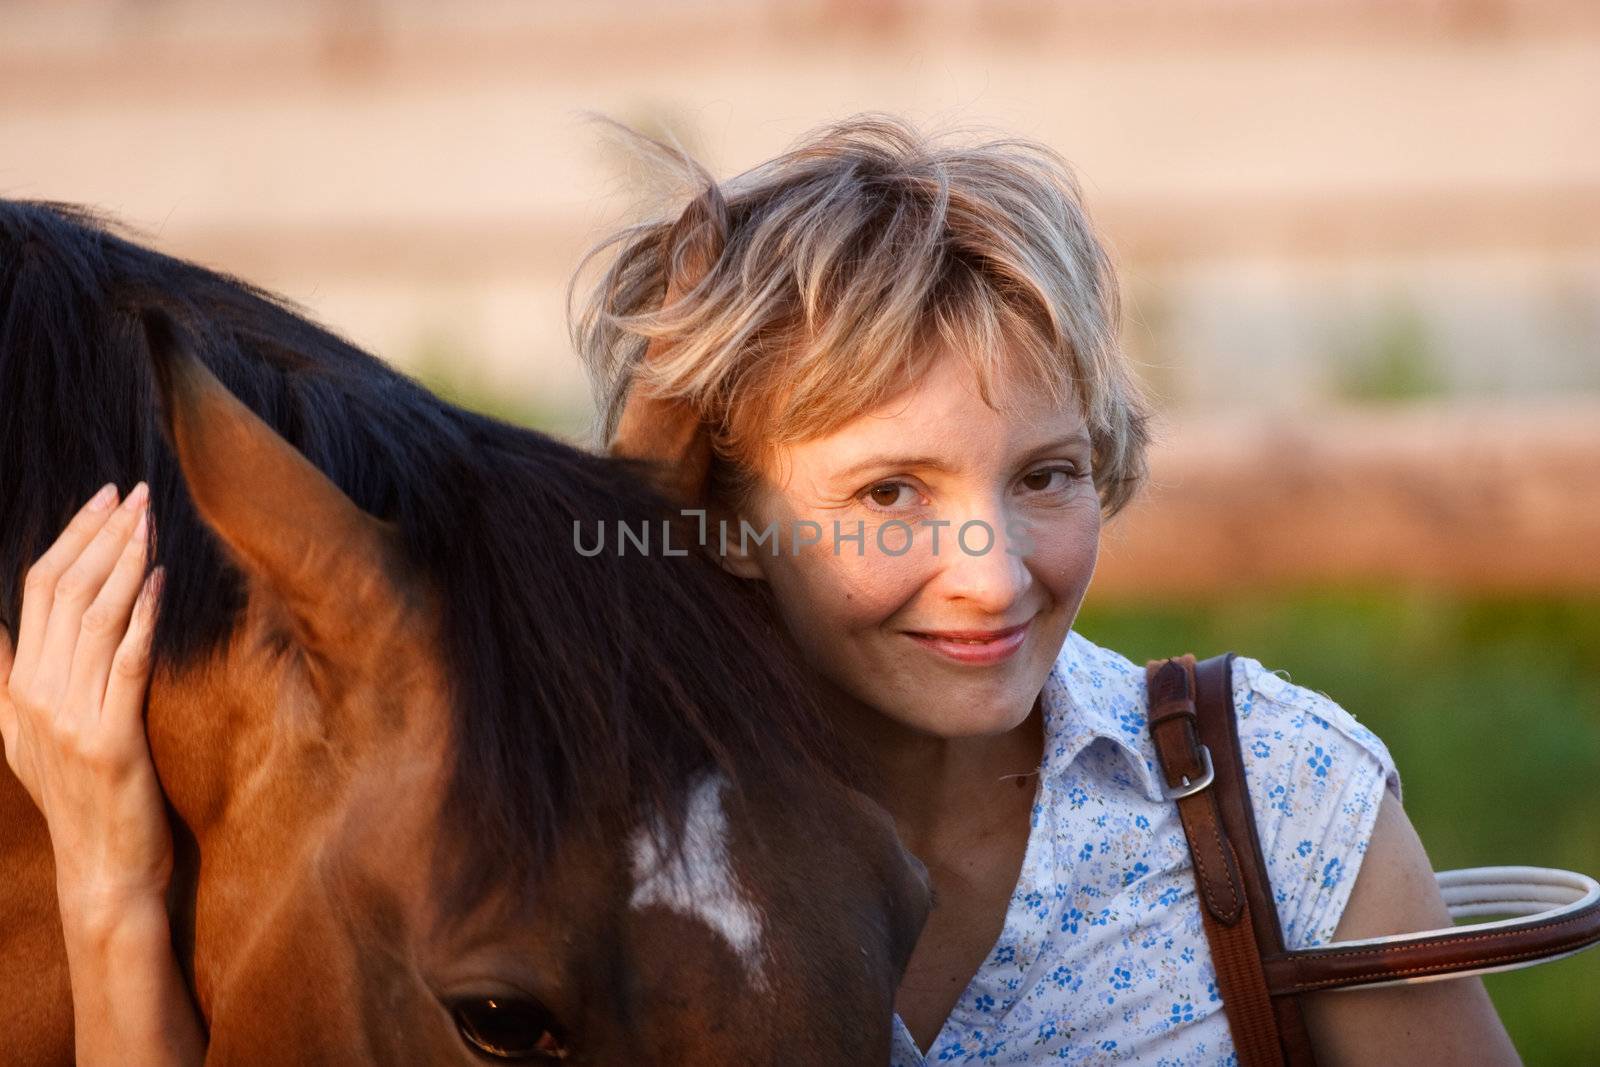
(333, 566)
(667, 431)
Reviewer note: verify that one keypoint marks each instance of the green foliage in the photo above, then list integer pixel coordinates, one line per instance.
(1491, 709)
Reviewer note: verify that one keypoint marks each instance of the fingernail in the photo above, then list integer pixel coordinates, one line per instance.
(136, 497)
(141, 530)
(102, 500)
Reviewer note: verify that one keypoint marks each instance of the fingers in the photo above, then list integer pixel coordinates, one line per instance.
(122, 709)
(76, 589)
(11, 728)
(39, 588)
(8, 711)
(105, 622)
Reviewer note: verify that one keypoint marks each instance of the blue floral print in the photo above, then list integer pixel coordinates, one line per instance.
(1102, 957)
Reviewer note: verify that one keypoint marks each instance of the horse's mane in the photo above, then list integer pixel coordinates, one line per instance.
(573, 676)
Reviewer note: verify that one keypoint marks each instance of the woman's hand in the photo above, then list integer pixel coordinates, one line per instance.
(71, 710)
(72, 718)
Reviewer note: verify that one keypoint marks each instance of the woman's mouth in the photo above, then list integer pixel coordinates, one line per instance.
(979, 648)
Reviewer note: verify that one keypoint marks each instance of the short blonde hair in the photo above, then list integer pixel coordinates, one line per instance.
(844, 267)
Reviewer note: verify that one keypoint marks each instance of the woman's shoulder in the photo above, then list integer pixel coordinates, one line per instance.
(1316, 776)
(1277, 716)
(1096, 686)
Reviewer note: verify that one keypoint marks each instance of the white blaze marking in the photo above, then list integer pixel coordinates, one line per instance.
(699, 881)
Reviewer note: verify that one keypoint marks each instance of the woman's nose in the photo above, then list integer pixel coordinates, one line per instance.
(981, 564)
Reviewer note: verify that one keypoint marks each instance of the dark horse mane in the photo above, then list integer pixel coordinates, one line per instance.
(574, 677)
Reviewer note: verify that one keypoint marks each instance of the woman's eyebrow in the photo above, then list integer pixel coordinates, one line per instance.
(898, 462)
(1080, 439)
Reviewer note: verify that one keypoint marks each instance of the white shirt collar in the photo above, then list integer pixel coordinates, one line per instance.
(1094, 693)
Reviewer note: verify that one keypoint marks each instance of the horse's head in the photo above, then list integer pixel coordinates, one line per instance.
(443, 798)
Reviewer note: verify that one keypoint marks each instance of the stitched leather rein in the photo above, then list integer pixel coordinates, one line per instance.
(1551, 913)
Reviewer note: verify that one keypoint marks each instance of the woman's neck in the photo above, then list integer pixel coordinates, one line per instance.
(943, 791)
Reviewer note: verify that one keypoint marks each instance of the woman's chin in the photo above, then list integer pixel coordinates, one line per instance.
(951, 719)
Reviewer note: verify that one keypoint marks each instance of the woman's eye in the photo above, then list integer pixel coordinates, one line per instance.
(1046, 479)
(510, 1029)
(891, 494)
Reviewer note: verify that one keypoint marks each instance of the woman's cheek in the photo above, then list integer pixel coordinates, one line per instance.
(869, 587)
(1065, 545)
(848, 586)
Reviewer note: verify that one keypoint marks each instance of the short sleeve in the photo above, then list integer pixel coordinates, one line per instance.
(1316, 777)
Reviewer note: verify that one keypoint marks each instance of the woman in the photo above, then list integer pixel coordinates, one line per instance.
(900, 357)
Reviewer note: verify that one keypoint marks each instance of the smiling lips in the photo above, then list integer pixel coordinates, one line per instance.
(973, 647)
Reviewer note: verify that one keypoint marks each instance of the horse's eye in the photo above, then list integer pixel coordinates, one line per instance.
(510, 1029)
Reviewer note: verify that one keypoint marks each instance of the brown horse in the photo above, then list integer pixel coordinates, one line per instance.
(444, 789)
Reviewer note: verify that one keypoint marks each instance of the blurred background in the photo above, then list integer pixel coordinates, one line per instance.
(1359, 242)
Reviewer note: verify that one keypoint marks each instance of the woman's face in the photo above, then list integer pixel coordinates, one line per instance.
(978, 536)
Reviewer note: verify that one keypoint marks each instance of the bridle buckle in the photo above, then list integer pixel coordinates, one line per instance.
(1188, 788)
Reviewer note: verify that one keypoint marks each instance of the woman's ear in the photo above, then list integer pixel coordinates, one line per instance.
(739, 563)
(733, 543)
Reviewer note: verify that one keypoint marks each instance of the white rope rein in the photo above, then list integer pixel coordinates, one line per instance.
(1530, 896)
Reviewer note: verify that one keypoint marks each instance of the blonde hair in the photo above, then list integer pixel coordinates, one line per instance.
(842, 268)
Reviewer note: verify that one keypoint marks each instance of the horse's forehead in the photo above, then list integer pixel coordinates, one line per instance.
(699, 881)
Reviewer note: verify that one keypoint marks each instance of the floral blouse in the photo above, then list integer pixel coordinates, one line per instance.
(1103, 958)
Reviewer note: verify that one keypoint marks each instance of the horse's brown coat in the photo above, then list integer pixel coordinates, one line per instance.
(306, 765)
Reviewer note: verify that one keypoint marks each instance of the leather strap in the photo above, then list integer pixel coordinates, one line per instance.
(1434, 954)
(1191, 705)
(1219, 731)
(1225, 903)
